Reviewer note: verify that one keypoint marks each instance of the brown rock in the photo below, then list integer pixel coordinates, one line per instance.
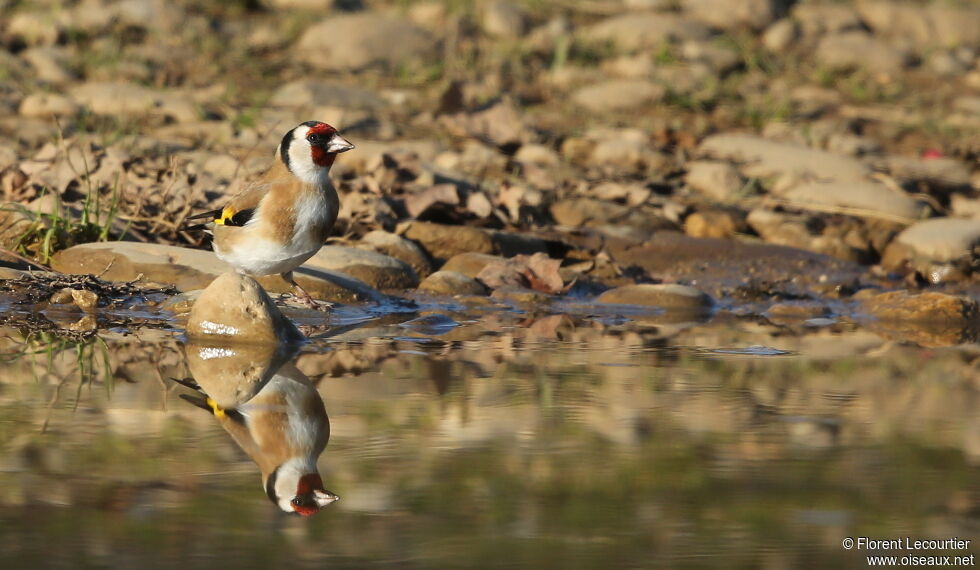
(924, 307)
(670, 296)
(442, 242)
(452, 283)
(716, 264)
(376, 269)
(470, 264)
(235, 308)
(927, 319)
(798, 310)
(398, 247)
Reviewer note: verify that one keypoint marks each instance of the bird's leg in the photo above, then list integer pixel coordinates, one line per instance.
(301, 293)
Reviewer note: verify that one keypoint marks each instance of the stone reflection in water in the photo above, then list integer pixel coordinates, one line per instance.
(272, 411)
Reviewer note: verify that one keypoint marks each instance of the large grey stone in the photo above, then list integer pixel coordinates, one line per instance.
(190, 269)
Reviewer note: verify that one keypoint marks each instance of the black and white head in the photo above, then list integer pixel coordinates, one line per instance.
(293, 492)
(309, 150)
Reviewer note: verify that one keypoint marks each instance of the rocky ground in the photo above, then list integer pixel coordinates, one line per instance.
(795, 160)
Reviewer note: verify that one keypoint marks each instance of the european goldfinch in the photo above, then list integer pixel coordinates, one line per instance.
(284, 428)
(282, 219)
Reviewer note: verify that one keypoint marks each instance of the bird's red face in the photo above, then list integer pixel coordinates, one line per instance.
(311, 496)
(325, 143)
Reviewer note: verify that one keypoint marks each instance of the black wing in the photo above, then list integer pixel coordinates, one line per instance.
(225, 217)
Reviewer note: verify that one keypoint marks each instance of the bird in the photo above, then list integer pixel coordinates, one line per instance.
(282, 219)
(284, 428)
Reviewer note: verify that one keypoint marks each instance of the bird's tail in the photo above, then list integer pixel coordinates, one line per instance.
(210, 216)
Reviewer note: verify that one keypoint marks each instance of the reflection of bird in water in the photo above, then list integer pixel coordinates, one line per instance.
(281, 424)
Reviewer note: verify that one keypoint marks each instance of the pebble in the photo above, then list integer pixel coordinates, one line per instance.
(234, 308)
(452, 283)
(670, 296)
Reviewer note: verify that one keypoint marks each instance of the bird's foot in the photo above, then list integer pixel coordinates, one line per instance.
(309, 302)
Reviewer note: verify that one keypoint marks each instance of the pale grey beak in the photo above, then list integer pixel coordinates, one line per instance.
(324, 498)
(339, 144)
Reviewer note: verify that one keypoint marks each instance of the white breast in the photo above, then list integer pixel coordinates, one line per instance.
(261, 256)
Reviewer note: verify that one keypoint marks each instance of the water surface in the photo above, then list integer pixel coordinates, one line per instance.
(498, 439)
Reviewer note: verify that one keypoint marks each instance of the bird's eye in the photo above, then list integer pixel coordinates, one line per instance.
(313, 138)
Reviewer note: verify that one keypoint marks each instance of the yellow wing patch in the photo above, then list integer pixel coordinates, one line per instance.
(218, 412)
(227, 214)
